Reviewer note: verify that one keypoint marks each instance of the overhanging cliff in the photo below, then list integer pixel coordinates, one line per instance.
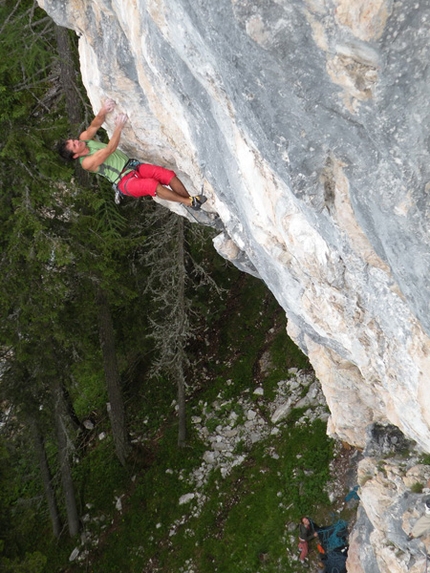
(307, 121)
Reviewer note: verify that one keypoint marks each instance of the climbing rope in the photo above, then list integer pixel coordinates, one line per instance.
(333, 536)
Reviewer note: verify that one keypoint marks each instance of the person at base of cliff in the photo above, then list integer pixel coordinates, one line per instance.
(422, 526)
(307, 532)
(131, 177)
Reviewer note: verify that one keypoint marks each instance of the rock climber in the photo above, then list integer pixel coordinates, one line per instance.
(130, 177)
(307, 532)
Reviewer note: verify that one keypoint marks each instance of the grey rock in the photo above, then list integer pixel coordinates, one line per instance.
(384, 440)
(220, 446)
(74, 554)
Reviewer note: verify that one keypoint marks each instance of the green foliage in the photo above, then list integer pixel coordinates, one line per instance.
(20, 511)
(417, 487)
(286, 354)
(307, 468)
(89, 390)
(32, 563)
(242, 520)
(99, 475)
(242, 326)
(7, 489)
(57, 243)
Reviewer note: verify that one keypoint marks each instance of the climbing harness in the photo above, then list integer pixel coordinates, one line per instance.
(131, 164)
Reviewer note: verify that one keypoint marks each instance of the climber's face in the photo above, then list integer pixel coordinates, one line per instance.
(77, 146)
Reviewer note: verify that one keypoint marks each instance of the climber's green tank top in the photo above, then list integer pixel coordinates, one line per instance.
(113, 166)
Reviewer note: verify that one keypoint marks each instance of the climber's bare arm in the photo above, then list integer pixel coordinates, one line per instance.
(98, 121)
(92, 162)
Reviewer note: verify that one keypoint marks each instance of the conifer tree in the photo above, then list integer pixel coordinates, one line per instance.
(112, 375)
(33, 229)
(173, 272)
(47, 478)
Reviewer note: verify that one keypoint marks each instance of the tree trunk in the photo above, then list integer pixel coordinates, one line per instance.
(182, 419)
(45, 472)
(68, 76)
(66, 474)
(73, 417)
(180, 358)
(113, 382)
(70, 89)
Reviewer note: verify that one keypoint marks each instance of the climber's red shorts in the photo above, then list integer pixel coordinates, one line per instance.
(144, 180)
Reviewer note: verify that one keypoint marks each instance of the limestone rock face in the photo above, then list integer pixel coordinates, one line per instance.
(308, 122)
(379, 542)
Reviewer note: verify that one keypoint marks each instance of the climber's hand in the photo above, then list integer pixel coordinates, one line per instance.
(121, 120)
(108, 106)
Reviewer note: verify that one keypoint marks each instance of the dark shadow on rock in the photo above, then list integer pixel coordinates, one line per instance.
(383, 440)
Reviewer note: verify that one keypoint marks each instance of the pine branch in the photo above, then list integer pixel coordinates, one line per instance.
(36, 83)
(9, 18)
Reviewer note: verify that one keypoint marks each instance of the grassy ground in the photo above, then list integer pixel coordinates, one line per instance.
(246, 523)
